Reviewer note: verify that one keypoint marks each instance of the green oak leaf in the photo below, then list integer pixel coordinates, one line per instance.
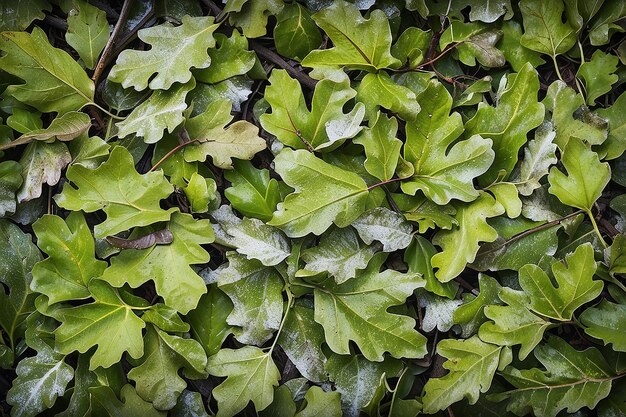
(379, 90)
(251, 375)
(54, 81)
(295, 33)
(104, 402)
(363, 44)
(472, 364)
(480, 10)
(357, 310)
(301, 338)
(64, 128)
(18, 254)
(174, 50)
(71, 262)
(128, 198)
(340, 253)
(41, 163)
(615, 143)
(573, 379)
(165, 318)
(18, 15)
(322, 128)
(181, 290)
(320, 403)
(156, 377)
(252, 15)
(10, 181)
(309, 211)
(585, 180)
(229, 58)
(108, 323)
(571, 117)
(599, 75)
(514, 53)
(87, 31)
(120, 98)
(162, 110)
(252, 192)
(460, 245)
(40, 380)
(88, 151)
(528, 312)
(428, 214)
(208, 320)
(507, 125)
(539, 156)
(607, 322)
(385, 226)
(544, 29)
(357, 379)
(471, 314)
(250, 237)
(431, 146)
(239, 140)
(256, 293)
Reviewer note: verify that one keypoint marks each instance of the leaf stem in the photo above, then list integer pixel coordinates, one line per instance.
(371, 187)
(105, 111)
(170, 153)
(556, 67)
(595, 227)
(282, 322)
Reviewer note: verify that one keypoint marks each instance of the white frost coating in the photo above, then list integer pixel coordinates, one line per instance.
(41, 163)
(539, 156)
(362, 388)
(237, 91)
(344, 127)
(339, 253)
(439, 311)
(386, 227)
(364, 4)
(537, 207)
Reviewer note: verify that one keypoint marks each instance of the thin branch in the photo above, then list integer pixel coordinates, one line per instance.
(214, 8)
(272, 56)
(170, 153)
(106, 54)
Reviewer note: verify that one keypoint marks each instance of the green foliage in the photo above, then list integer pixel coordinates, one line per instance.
(277, 208)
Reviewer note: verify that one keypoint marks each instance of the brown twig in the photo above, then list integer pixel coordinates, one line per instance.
(170, 153)
(106, 53)
(214, 8)
(272, 56)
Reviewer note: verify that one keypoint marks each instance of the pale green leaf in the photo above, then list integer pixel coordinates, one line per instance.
(573, 379)
(174, 50)
(385, 226)
(162, 110)
(301, 338)
(444, 168)
(108, 323)
(256, 293)
(87, 31)
(128, 198)
(250, 237)
(509, 122)
(71, 262)
(606, 322)
(463, 241)
(229, 58)
(156, 377)
(325, 194)
(54, 81)
(544, 29)
(104, 402)
(252, 15)
(357, 310)
(471, 314)
(324, 127)
(418, 258)
(586, 176)
(41, 163)
(251, 375)
(320, 403)
(180, 291)
(471, 364)
(615, 144)
(359, 43)
(379, 90)
(599, 75)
